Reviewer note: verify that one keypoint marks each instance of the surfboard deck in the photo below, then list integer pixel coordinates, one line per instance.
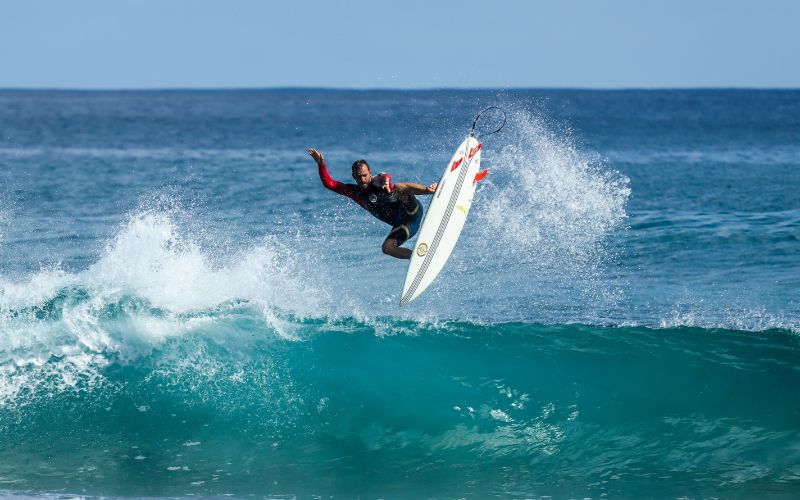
(444, 219)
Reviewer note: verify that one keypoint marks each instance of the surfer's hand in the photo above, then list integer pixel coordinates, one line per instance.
(386, 184)
(317, 156)
(432, 187)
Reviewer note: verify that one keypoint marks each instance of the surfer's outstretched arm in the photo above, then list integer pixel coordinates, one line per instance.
(329, 182)
(414, 188)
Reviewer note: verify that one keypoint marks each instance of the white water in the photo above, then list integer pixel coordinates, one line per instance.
(165, 283)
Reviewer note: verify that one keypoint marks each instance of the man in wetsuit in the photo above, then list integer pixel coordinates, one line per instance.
(394, 204)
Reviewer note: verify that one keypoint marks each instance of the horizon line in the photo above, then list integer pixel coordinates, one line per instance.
(378, 89)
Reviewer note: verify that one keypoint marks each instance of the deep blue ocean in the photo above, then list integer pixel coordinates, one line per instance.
(186, 311)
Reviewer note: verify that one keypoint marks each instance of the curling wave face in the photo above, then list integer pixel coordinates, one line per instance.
(229, 406)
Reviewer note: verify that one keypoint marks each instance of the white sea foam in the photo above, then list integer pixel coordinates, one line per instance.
(164, 282)
(700, 315)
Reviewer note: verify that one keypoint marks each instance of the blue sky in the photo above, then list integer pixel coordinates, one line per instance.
(409, 44)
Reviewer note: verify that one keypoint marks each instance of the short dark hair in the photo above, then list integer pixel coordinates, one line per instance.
(358, 164)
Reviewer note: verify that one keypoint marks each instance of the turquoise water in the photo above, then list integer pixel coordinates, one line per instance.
(184, 310)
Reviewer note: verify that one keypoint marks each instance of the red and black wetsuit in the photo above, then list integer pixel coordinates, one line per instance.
(389, 207)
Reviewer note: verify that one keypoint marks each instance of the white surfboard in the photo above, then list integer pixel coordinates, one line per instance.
(444, 219)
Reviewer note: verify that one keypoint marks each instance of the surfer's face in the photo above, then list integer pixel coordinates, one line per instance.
(363, 176)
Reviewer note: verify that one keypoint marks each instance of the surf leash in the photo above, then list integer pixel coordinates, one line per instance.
(478, 117)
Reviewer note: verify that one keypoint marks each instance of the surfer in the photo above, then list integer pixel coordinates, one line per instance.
(393, 203)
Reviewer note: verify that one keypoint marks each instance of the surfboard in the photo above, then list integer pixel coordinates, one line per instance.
(444, 219)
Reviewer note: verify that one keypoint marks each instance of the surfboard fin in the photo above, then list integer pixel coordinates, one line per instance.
(480, 175)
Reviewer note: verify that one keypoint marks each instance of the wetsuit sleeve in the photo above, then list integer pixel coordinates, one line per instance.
(336, 186)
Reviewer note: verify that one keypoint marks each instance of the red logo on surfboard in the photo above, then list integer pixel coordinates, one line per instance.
(456, 164)
(474, 150)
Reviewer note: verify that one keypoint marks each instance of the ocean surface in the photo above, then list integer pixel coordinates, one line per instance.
(186, 311)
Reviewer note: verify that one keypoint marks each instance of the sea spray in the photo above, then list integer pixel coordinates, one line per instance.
(549, 211)
(558, 204)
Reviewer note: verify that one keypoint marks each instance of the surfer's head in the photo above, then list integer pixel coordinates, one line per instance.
(361, 173)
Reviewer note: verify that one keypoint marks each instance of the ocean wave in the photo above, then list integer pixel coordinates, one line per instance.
(227, 396)
(68, 342)
(154, 285)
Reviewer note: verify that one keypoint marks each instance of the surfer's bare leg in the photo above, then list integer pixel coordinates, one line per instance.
(390, 247)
